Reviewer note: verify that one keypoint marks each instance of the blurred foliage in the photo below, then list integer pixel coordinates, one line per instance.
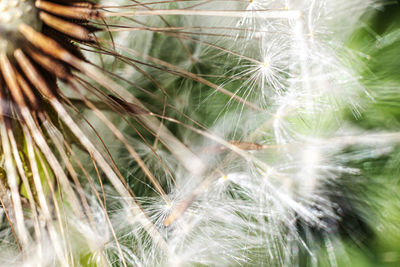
(378, 39)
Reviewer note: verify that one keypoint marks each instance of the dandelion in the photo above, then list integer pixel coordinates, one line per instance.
(174, 133)
(37, 51)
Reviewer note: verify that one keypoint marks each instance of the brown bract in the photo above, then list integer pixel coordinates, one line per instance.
(41, 57)
(30, 96)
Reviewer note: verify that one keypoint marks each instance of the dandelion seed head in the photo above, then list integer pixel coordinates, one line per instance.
(237, 206)
(12, 14)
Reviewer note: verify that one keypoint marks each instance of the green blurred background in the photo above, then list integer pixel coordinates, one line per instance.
(371, 236)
